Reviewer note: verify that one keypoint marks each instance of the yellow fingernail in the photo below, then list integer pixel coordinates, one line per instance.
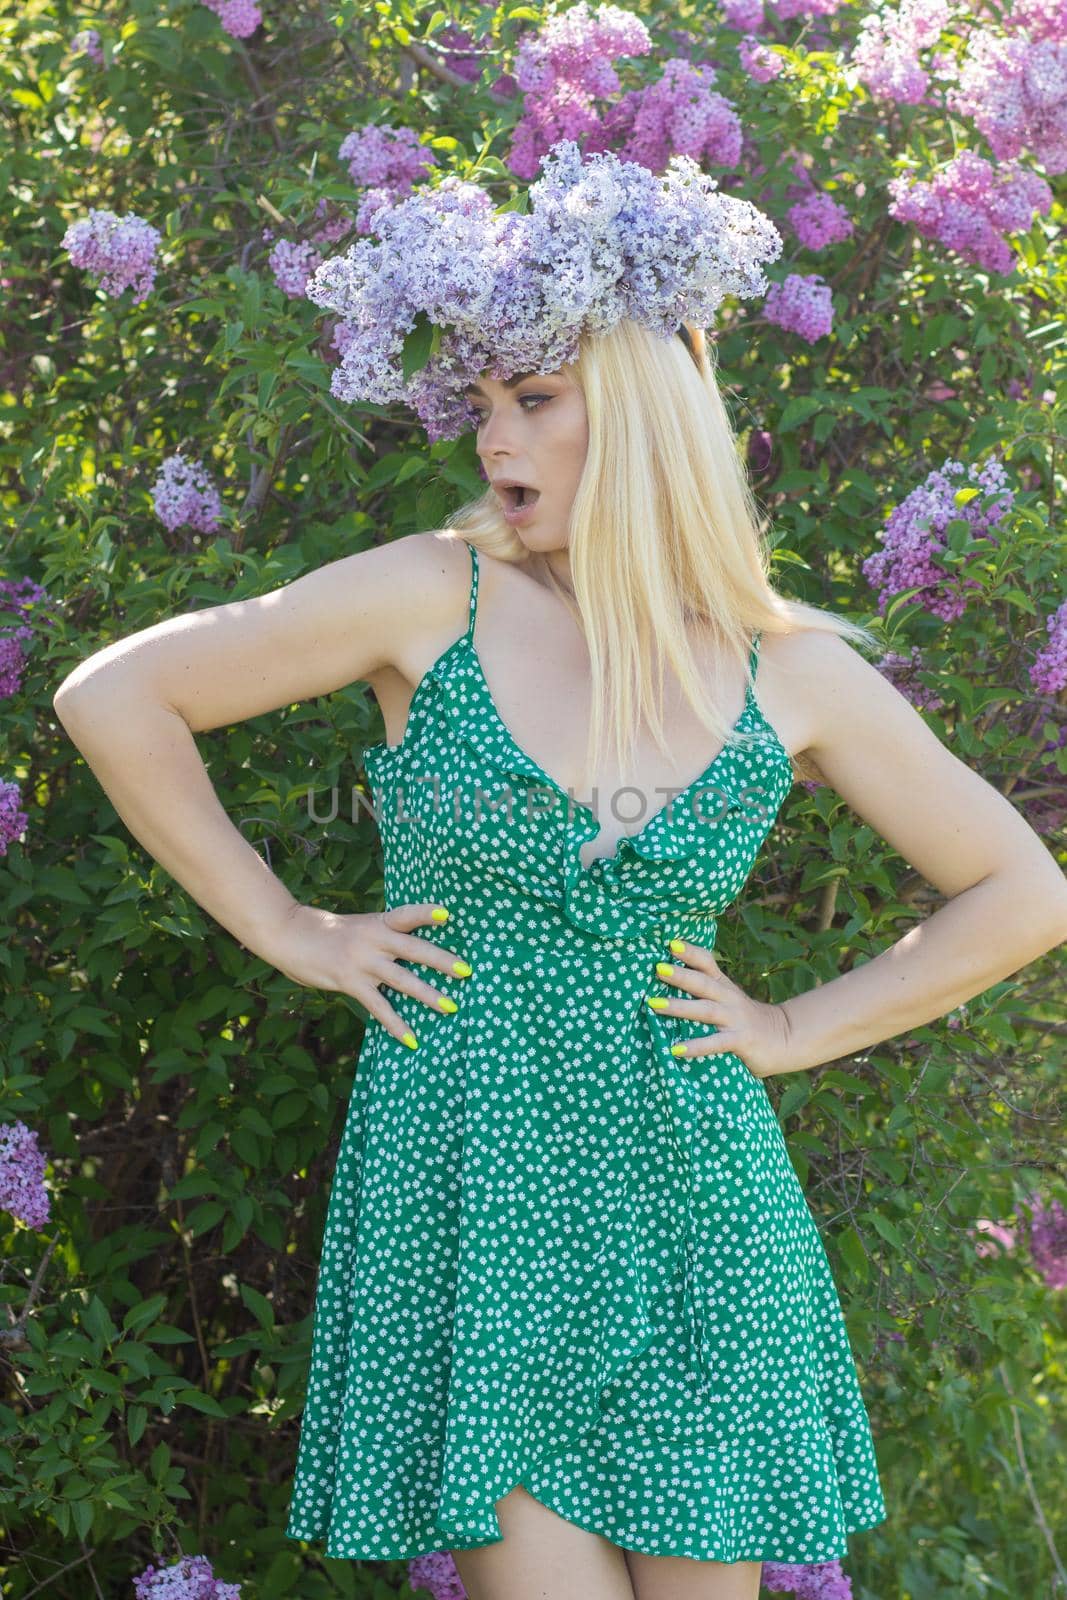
(439, 914)
(657, 1002)
(663, 970)
(677, 1049)
(461, 969)
(411, 1041)
(447, 1005)
(677, 947)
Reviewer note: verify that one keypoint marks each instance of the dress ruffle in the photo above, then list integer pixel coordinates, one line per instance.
(607, 898)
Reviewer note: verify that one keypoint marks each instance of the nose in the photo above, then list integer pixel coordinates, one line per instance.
(495, 435)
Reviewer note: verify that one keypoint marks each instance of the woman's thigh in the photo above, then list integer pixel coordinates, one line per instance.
(543, 1557)
(680, 1578)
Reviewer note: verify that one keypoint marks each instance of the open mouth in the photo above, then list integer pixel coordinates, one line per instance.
(521, 496)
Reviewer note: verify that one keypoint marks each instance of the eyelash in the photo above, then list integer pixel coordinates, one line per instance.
(542, 400)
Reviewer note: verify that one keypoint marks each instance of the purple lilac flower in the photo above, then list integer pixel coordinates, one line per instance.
(902, 672)
(818, 1580)
(380, 156)
(758, 60)
(801, 305)
(1049, 671)
(87, 42)
(969, 203)
(22, 1190)
(239, 18)
(183, 493)
(604, 239)
(121, 249)
(292, 263)
(190, 1578)
(437, 1573)
(12, 660)
(18, 595)
(13, 821)
(819, 221)
(461, 51)
(1015, 89)
(914, 537)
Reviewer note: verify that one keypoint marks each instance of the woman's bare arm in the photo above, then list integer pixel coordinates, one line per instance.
(132, 709)
(1006, 896)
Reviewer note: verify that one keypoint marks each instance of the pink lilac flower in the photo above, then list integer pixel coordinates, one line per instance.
(184, 493)
(292, 264)
(758, 60)
(785, 10)
(818, 1580)
(902, 671)
(22, 1190)
(801, 305)
(1048, 673)
(561, 69)
(87, 42)
(1015, 89)
(121, 249)
(914, 537)
(1048, 1241)
(819, 221)
(680, 114)
(437, 1573)
(191, 1578)
(744, 15)
(239, 18)
(13, 821)
(1041, 19)
(885, 56)
(969, 204)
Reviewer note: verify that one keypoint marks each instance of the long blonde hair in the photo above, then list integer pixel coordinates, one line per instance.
(664, 529)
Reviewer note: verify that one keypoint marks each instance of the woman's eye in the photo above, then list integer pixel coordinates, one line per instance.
(537, 399)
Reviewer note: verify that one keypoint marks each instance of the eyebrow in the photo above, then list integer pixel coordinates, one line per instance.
(509, 383)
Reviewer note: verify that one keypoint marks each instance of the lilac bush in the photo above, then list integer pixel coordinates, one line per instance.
(913, 154)
(190, 1578)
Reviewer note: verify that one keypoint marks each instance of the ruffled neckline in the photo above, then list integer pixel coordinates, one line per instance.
(473, 716)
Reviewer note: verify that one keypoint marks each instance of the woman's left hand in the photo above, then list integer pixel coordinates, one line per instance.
(752, 1029)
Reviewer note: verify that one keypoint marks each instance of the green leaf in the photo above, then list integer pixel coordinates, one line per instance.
(418, 346)
(136, 1422)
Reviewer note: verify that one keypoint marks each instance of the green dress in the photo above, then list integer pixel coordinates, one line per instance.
(556, 1254)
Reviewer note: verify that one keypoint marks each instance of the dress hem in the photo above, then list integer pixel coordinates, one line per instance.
(840, 1553)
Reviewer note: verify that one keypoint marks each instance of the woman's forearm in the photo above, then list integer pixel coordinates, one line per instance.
(146, 760)
(975, 940)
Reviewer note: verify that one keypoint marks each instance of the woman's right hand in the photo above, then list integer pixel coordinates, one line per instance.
(354, 953)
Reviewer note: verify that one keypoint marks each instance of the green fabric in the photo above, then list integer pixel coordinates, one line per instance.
(556, 1254)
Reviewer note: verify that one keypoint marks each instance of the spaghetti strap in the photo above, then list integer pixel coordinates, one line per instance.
(753, 660)
(473, 607)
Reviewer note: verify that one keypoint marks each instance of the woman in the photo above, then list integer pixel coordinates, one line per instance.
(574, 1320)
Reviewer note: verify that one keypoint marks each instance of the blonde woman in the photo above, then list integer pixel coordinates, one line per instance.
(574, 1322)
